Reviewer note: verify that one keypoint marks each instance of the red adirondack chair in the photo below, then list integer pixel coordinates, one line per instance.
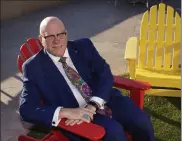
(136, 88)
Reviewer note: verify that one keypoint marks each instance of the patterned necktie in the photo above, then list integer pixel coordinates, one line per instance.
(81, 85)
(76, 80)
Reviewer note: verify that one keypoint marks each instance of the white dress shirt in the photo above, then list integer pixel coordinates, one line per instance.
(78, 96)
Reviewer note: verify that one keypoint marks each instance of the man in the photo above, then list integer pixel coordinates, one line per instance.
(75, 82)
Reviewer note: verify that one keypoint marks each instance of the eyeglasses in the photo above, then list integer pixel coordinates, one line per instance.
(52, 37)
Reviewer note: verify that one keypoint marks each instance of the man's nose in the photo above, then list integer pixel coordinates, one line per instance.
(56, 39)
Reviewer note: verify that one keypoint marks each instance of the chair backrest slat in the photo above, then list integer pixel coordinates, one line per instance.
(177, 41)
(160, 36)
(28, 49)
(25, 51)
(152, 26)
(143, 41)
(168, 38)
(161, 27)
(33, 43)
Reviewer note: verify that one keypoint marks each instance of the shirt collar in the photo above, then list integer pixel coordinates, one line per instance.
(56, 58)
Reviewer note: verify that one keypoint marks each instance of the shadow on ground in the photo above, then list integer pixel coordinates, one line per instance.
(163, 118)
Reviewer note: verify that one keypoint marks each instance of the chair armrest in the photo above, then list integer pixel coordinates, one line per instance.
(26, 138)
(130, 84)
(87, 130)
(136, 88)
(131, 48)
(131, 55)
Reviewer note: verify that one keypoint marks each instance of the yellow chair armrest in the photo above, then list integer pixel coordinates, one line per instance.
(131, 48)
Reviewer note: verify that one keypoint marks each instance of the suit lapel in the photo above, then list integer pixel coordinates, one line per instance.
(75, 55)
(57, 81)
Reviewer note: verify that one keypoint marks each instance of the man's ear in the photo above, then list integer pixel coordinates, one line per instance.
(40, 38)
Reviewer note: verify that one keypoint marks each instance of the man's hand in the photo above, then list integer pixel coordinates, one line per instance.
(76, 115)
(72, 122)
(92, 108)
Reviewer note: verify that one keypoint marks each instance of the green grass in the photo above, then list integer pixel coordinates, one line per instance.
(165, 113)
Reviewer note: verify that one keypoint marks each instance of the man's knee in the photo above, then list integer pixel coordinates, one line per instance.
(142, 128)
(143, 123)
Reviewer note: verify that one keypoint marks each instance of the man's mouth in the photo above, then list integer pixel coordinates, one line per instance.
(60, 46)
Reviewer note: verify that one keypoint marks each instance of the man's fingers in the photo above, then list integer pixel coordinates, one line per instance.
(74, 122)
(86, 119)
(69, 121)
(79, 122)
(83, 114)
(90, 115)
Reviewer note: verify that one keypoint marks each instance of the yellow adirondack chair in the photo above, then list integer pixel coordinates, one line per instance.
(155, 56)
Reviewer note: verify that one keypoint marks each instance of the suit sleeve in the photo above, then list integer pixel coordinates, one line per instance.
(30, 108)
(103, 72)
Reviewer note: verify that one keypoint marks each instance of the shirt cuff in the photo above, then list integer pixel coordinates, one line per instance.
(99, 101)
(56, 120)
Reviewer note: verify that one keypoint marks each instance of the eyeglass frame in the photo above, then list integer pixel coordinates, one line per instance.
(55, 35)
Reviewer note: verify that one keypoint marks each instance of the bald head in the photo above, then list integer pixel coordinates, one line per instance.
(53, 35)
(47, 22)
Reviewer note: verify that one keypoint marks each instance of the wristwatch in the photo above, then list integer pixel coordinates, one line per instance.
(94, 104)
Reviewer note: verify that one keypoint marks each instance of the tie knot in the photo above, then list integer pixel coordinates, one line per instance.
(62, 60)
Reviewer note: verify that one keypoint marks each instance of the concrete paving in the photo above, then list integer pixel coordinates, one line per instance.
(107, 25)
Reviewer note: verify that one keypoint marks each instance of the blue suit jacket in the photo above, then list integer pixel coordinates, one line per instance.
(43, 81)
